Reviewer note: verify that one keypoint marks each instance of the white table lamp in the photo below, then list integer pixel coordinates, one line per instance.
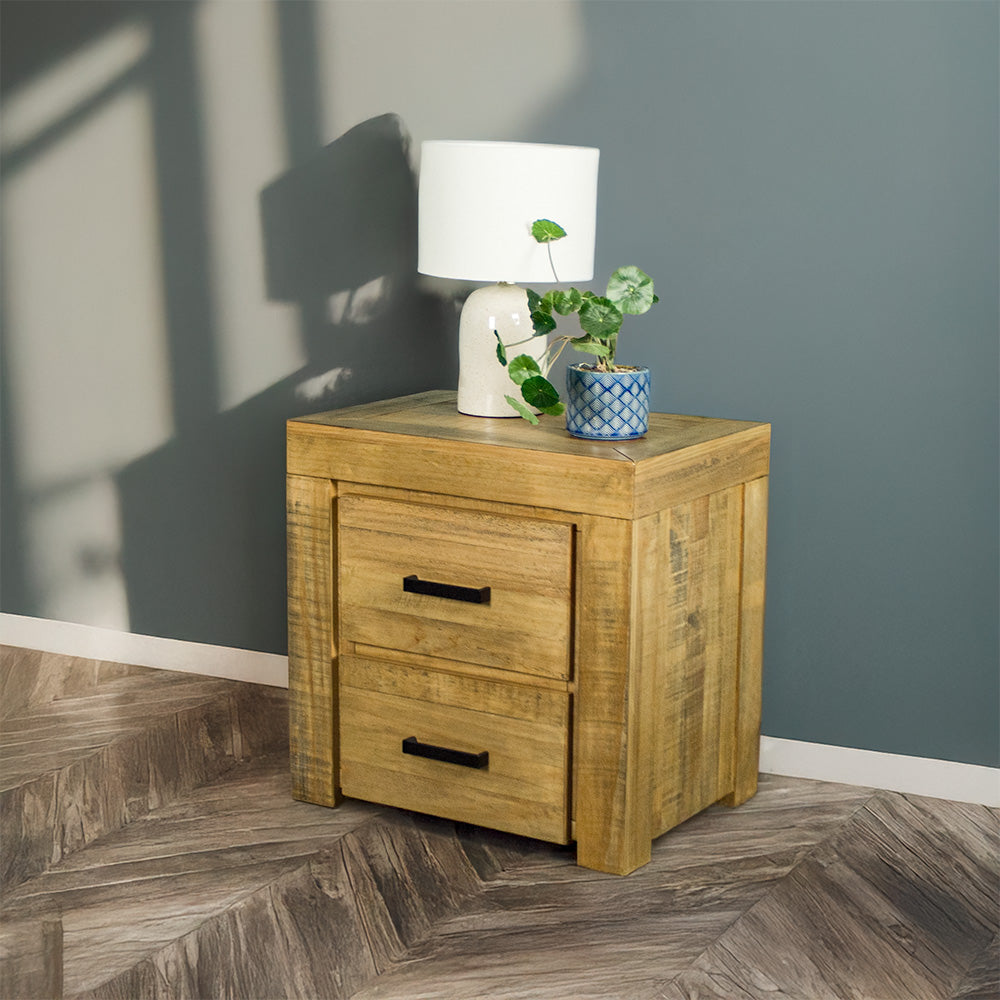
(476, 206)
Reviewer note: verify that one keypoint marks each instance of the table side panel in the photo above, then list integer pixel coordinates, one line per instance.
(312, 687)
(611, 786)
(689, 598)
(751, 651)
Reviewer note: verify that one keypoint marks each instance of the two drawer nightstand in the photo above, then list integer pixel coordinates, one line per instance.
(503, 625)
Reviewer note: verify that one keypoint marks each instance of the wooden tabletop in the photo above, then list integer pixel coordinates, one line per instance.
(423, 442)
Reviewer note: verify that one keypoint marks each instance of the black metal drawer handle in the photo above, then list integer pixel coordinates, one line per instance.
(449, 756)
(473, 595)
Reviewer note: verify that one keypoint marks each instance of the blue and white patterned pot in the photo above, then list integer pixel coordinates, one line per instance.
(607, 406)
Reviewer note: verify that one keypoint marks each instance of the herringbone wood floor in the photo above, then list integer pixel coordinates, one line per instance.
(811, 891)
(146, 816)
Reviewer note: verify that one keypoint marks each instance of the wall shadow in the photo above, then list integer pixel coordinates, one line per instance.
(34, 39)
(203, 517)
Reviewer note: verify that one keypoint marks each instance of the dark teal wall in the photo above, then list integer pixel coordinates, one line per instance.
(814, 187)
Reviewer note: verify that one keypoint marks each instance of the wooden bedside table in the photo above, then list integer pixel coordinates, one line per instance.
(504, 625)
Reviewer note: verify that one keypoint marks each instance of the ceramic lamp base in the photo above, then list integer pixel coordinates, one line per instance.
(482, 381)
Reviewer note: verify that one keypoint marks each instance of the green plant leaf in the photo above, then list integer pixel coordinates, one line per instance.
(554, 410)
(600, 318)
(523, 367)
(522, 409)
(547, 231)
(539, 392)
(542, 322)
(566, 302)
(590, 346)
(501, 350)
(631, 290)
(534, 301)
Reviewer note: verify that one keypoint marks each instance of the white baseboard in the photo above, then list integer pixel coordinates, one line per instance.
(144, 650)
(941, 779)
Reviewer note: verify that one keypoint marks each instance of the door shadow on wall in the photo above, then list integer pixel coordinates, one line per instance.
(203, 548)
(35, 40)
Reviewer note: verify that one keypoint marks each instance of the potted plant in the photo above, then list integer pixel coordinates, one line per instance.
(605, 401)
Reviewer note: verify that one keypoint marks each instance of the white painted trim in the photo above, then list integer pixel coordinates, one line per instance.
(144, 650)
(943, 779)
(939, 779)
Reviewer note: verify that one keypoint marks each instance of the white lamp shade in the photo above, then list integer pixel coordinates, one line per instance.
(478, 200)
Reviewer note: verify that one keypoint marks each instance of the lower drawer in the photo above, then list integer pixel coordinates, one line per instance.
(521, 786)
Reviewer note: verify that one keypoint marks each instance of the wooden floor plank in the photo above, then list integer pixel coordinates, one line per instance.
(895, 907)
(549, 929)
(809, 891)
(982, 979)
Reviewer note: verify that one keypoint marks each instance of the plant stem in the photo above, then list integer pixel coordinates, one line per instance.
(548, 247)
(562, 341)
(515, 343)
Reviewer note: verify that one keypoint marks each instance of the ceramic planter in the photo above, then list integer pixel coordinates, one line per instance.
(607, 406)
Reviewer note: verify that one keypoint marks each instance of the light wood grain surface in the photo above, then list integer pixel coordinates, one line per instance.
(746, 749)
(616, 569)
(612, 777)
(525, 624)
(524, 731)
(312, 621)
(689, 640)
(423, 444)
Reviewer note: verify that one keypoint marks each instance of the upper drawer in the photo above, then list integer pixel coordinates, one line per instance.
(521, 623)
